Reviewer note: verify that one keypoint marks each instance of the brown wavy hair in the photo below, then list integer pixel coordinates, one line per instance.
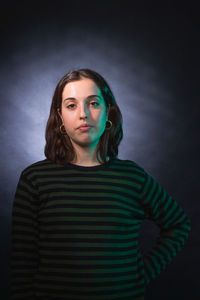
(59, 148)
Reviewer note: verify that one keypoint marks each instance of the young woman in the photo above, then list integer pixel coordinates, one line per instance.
(77, 214)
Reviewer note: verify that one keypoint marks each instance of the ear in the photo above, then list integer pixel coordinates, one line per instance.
(59, 113)
(108, 110)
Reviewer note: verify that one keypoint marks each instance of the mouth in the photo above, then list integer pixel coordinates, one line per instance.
(84, 125)
(84, 128)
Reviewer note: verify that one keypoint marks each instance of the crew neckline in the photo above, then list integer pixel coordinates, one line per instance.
(89, 168)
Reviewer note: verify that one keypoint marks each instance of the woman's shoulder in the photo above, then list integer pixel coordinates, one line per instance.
(129, 165)
(38, 166)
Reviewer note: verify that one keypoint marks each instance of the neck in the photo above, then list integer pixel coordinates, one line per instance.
(87, 162)
(86, 156)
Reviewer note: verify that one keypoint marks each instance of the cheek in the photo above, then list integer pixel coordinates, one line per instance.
(67, 120)
(102, 119)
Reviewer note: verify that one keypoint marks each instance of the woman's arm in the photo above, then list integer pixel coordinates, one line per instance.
(174, 226)
(24, 255)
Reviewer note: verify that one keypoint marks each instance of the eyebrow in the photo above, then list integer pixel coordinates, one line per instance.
(74, 99)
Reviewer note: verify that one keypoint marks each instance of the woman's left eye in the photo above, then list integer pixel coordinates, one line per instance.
(95, 103)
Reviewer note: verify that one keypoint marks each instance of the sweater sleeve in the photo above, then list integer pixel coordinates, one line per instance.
(174, 226)
(24, 236)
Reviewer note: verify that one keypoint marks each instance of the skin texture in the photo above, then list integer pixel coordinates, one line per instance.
(84, 110)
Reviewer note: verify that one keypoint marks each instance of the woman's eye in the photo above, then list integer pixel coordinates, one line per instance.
(94, 103)
(69, 105)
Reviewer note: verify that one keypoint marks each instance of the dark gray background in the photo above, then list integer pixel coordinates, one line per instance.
(149, 55)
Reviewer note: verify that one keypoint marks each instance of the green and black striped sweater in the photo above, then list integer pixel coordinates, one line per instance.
(75, 231)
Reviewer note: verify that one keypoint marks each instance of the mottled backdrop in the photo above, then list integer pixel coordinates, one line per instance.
(150, 57)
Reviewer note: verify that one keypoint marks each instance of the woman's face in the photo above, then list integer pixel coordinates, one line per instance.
(82, 102)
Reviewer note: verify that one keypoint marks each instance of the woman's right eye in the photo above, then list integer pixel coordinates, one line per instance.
(69, 105)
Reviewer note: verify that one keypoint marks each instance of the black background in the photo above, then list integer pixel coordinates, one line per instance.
(149, 54)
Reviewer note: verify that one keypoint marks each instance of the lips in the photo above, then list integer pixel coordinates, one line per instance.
(84, 125)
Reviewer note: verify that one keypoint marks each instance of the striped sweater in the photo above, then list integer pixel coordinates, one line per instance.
(75, 231)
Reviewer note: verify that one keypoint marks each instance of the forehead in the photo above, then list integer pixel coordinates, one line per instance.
(81, 88)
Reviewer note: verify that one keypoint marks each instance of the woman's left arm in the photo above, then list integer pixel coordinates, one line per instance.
(173, 222)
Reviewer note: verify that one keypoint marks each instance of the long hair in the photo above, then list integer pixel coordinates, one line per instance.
(59, 148)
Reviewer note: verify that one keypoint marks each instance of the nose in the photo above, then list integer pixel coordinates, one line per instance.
(83, 111)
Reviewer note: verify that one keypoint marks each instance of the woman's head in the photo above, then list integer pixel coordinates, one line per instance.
(72, 107)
